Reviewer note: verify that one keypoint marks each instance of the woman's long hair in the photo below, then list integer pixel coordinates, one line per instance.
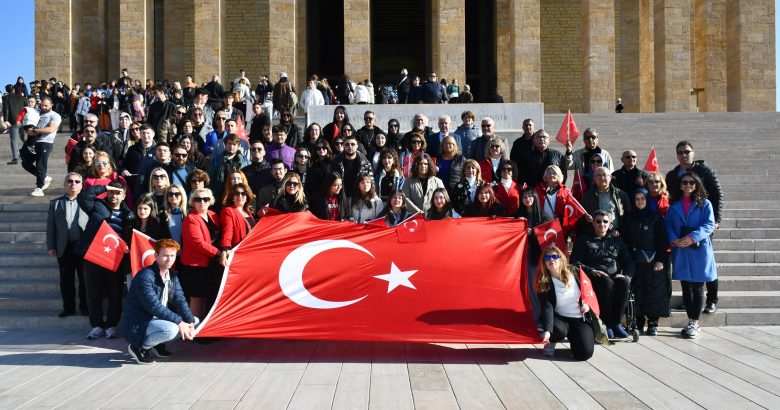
(182, 206)
(699, 193)
(358, 197)
(446, 211)
(543, 279)
(250, 197)
(300, 197)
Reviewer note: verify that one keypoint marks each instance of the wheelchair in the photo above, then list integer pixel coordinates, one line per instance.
(629, 317)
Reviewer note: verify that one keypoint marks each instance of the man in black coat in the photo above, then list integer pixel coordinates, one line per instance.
(403, 85)
(12, 105)
(533, 163)
(432, 91)
(629, 177)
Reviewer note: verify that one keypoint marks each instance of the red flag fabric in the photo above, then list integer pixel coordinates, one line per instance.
(297, 277)
(141, 251)
(241, 132)
(69, 148)
(551, 233)
(587, 295)
(107, 248)
(572, 213)
(412, 229)
(652, 163)
(578, 187)
(568, 131)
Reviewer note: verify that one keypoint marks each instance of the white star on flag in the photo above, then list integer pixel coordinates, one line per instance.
(107, 249)
(397, 277)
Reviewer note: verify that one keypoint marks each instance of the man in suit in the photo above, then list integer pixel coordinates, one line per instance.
(65, 223)
(433, 141)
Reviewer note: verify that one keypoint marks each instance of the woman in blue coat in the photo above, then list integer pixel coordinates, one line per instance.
(690, 222)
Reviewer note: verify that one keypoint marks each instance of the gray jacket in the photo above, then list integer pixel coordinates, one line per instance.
(57, 225)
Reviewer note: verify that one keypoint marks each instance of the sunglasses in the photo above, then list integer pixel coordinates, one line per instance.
(630, 156)
(257, 149)
(416, 142)
(74, 181)
(180, 155)
(292, 183)
(552, 257)
(596, 161)
(686, 152)
(179, 113)
(199, 199)
(601, 222)
(687, 182)
(242, 193)
(506, 169)
(301, 156)
(134, 128)
(339, 143)
(101, 163)
(322, 148)
(495, 146)
(160, 176)
(174, 194)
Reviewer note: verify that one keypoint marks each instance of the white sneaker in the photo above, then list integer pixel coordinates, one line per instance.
(46, 182)
(96, 333)
(111, 333)
(549, 349)
(37, 192)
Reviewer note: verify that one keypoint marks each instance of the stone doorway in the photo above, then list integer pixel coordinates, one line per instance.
(481, 72)
(325, 39)
(400, 38)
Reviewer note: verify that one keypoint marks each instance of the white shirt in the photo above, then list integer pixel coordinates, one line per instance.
(567, 300)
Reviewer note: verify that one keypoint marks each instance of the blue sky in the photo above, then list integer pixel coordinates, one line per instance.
(19, 53)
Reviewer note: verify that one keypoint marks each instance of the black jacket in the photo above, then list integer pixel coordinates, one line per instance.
(708, 178)
(258, 174)
(608, 254)
(533, 163)
(646, 231)
(12, 106)
(547, 302)
(626, 180)
(99, 211)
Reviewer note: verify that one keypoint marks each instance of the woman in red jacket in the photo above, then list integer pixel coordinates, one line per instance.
(553, 194)
(236, 216)
(507, 191)
(201, 259)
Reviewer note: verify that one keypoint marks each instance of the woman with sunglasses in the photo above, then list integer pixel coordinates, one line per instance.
(394, 135)
(689, 225)
(646, 238)
(330, 203)
(658, 196)
(506, 188)
(291, 197)
(562, 309)
(158, 182)
(365, 205)
(102, 173)
(334, 128)
(414, 149)
(236, 216)
(495, 152)
(338, 145)
(596, 161)
(294, 133)
(201, 258)
(175, 210)
(301, 166)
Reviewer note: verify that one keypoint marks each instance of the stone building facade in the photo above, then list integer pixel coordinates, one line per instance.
(657, 55)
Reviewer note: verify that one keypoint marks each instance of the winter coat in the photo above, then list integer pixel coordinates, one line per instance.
(708, 178)
(416, 199)
(693, 264)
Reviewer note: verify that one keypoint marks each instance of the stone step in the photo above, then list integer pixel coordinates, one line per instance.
(23, 216)
(745, 233)
(39, 226)
(746, 244)
(30, 286)
(723, 256)
(22, 237)
(23, 248)
(29, 260)
(732, 212)
(731, 187)
(753, 196)
(740, 299)
(41, 319)
(727, 317)
(771, 221)
(29, 273)
(31, 302)
(749, 269)
(742, 283)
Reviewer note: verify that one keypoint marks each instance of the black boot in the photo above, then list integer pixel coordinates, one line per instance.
(652, 326)
(640, 324)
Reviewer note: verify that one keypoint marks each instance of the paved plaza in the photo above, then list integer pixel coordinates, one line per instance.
(727, 367)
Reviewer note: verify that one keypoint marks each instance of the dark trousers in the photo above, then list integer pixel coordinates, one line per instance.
(579, 333)
(16, 138)
(612, 294)
(38, 164)
(693, 297)
(70, 267)
(101, 281)
(712, 292)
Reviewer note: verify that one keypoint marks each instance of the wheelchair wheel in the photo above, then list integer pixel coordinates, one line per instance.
(635, 334)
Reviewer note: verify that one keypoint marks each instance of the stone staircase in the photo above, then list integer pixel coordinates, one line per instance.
(740, 147)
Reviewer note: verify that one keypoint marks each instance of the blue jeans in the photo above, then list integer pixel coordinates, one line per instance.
(161, 331)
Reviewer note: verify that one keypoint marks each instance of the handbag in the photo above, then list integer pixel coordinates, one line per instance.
(644, 255)
(599, 329)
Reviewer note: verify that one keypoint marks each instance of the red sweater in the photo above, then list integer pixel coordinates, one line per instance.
(197, 249)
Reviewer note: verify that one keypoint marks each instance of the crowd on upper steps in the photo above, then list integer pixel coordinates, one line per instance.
(202, 165)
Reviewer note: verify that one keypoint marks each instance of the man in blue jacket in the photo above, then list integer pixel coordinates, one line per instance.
(156, 311)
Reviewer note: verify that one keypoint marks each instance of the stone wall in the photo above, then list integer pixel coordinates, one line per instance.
(672, 55)
(598, 56)
(751, 55)
(448, 36)
(208, 38)
(244, 47)
(357, 39)
(179, 56)
(53, 45)
(561, 55)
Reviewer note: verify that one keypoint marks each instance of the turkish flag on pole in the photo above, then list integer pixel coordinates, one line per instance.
(107, 248)
(241, 131)
(578, 187)
(550, 233)
(141, 251)
(568, 131)
(587, 295)
(297, 277)
(652, 163)
(573, 211)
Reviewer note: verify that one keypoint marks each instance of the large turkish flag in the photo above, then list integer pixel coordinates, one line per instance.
(298, 277)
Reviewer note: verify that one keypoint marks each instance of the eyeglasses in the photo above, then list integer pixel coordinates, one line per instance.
(687, 182)
(686, 152)
(302, 156)
(74, 181)
(601, 221)
(160, 176)
(322, 148)
(338, 143)
(506, 169)
(199, 199)
(416, 142)
(179, 113)
(495, 146)
(590, 137)
(174, 194)
(242, 193)
(180, 155)
(101, 163)
(552, 257)
(257, 149)
(292, 183)
(596, 161)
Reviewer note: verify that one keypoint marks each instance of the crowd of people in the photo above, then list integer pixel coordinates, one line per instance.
(199, 173)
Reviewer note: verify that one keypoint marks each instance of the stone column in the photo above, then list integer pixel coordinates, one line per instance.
(178, 59)
(525, 49)
(672, 55)
(282, 40)
(53, 46)
(136, 38)
(709, 54)
(448, 40)
(357, 39)
(598, 63)
(209, 39)
(646, 57)
(751, 55)
(92, 29)
(504, 75)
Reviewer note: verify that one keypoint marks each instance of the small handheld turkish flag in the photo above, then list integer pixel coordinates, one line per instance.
(241, 131)
(652, 163)
(107, 248)
(412, 229)
(587, 295)
(573, 211)
(568, 131)
(141, 251)
(550, 233)
(578, 187)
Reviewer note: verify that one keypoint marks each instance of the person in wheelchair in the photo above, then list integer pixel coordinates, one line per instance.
(605, 258)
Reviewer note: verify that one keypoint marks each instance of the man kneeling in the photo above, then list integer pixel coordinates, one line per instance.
(156, 311)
